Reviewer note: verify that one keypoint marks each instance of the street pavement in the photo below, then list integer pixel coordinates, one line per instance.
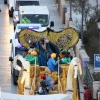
(5, 34)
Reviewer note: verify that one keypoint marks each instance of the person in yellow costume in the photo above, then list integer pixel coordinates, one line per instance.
(32, 53)
(53, 64)
(25, 20)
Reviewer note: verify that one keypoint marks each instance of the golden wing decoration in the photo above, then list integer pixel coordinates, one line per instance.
(63, 39)
(26, 36)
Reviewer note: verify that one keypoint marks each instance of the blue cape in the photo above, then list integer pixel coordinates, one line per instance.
(42, 57)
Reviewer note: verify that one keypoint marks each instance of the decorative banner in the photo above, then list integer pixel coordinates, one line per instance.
(97, 62)
(64, 39)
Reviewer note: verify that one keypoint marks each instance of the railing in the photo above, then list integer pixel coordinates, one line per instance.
(78, 89)
(89, 79)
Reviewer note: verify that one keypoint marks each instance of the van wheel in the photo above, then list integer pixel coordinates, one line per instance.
(14, 78)
(11, 71)
(14, 28)
(14, 81)
(5, 1)
(10, 13)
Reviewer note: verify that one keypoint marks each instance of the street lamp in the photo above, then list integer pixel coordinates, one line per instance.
(98, 25)
(70, 19)
(82, 45)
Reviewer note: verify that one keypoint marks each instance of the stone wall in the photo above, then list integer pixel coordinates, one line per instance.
(96, 85)
(61, 5)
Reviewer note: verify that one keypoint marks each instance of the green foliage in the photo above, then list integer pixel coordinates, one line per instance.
(90, 22)
(91, 37)
(96, 76)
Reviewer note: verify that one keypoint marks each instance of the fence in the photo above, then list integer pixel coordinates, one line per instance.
(89, 79)
(78, 89)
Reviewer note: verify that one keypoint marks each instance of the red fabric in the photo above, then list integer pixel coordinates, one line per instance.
(43, 77)
(87, 94)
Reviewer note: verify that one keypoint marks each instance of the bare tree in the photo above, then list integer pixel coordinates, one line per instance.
(90, 8)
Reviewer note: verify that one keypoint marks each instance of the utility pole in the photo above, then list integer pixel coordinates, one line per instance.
(82, 45)
(70, 19)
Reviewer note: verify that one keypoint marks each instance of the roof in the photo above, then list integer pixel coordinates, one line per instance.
(34, 97)
(27, 0)
(33, 10)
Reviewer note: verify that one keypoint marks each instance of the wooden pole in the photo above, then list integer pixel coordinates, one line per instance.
(59, 83)
(33, 82)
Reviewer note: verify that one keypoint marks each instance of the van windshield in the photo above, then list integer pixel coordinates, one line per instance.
(18, 51)
(35, 19)
(25, 3)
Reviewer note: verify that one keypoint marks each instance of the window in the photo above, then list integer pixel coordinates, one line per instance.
(24, 3)
(36, 19)
(16, 36)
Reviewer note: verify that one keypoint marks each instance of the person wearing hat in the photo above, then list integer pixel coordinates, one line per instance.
(63, 58)
(87, 93)
(46, 48)
(43, 89)
(32, 54)
(53, 64)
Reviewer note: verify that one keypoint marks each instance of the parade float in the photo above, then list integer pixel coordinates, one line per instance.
(30, 81)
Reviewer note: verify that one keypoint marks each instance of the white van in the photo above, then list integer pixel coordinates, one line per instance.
(17, 48)
(14, 4)
(33, 15)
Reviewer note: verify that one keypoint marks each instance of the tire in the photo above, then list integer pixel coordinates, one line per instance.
(11, 72)
(14, 78)
(5, 1)
(10, 15)
(14, 28)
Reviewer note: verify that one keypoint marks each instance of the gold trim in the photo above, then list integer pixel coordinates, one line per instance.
(58, 38)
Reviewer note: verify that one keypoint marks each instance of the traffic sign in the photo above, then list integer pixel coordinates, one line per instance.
(97, 62)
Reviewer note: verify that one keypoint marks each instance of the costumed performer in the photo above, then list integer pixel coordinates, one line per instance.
(53, 64)
(63, 59)
(32, 53)
(68, 55)
(43, 89)
(46, 48)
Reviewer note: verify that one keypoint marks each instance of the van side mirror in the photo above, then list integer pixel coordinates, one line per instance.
(10, 40)
(10, 59)
(51, 24)
(18, 22)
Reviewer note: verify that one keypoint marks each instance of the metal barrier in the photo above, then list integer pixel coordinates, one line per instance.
(89, 79)
(78, 89)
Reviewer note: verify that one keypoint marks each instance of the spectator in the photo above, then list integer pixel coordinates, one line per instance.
(87, 93)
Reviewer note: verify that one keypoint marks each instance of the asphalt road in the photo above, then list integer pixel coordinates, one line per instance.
(6, 32)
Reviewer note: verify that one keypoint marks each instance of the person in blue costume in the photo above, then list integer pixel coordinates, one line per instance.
(53, 64)
(46, 48)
